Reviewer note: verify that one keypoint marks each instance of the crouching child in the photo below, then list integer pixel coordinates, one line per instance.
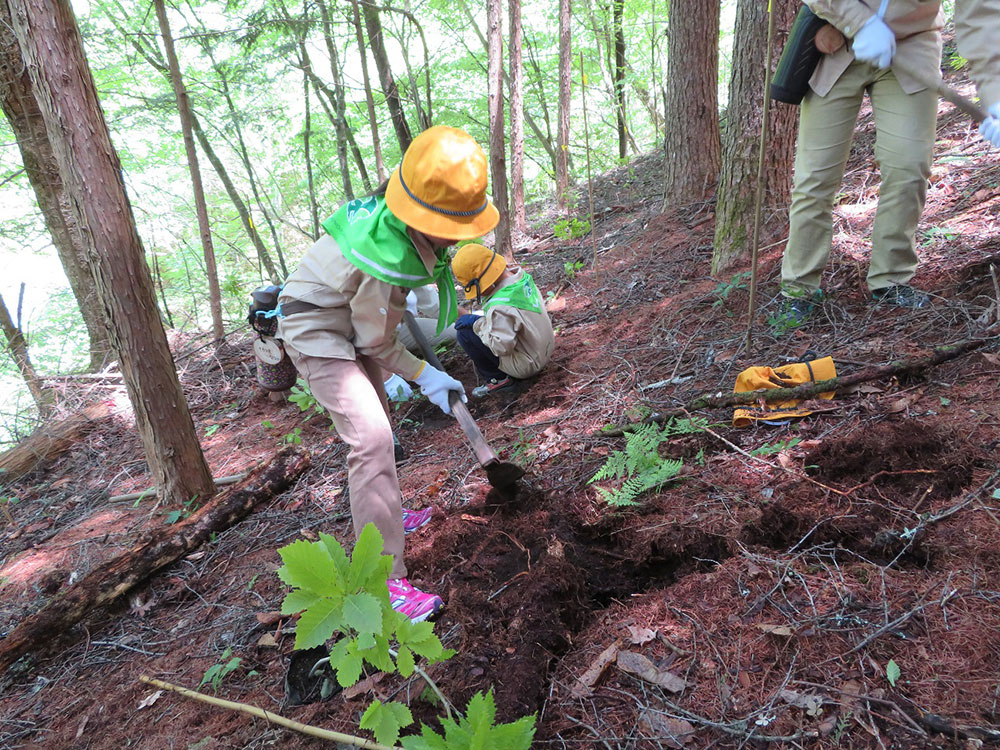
(511, 338)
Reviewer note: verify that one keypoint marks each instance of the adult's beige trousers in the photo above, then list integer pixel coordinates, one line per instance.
(352, 391)
(904, 140)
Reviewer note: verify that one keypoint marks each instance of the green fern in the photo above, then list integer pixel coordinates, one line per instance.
(640, 464)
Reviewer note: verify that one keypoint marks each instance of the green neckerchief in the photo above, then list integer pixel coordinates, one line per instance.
(521, 294)
(374, 240)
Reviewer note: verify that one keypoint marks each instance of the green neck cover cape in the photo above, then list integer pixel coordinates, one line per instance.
(375, 241)
(521, 294)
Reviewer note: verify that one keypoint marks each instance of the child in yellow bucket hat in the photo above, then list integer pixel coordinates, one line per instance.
(512, 338)
(341, 308)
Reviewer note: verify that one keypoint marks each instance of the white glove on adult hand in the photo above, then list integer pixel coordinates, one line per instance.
(411, 302)
(397, 389)
(875, 43)
(990, 127)
(435, 385)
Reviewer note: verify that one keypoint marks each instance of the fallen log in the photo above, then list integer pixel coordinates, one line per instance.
(49, 440)
(937, 356)
(160, 548)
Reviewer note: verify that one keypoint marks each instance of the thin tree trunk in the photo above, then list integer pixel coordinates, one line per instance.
(617, 7)
(498, 161)
(18, 348)
(17, 99)
(734, 211)
(565, 77)
(201, 208)
(377, 42)
(693, 150)
(542, 97)
(339, 109)
(369, 100)
(424, 108)
(516, 118)
(50, 42)
(307, 157)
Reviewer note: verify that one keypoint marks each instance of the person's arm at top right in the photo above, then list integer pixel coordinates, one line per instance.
(977, 31)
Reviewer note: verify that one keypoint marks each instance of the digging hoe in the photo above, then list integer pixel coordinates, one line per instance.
(501, 474)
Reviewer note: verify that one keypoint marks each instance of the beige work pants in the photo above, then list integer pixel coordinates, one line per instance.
(904, 140)
(353, 393)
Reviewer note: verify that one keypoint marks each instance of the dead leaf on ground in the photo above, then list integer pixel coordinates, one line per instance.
(589, 678)
(642, 667)
(139, 605)
(903, 403)
(993, 359)
(365, 686)
(640, 636)
(309, 534)
(270, 618)
(150, 699)
(783, 630)
(675, 733)
(267, 641)
(813, 704)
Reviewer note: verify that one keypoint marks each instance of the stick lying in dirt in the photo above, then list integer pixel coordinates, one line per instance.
(273, 718)
(115, 578)
(937, 355)
(51, 439)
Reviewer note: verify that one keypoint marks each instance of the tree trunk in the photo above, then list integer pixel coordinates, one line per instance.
(734, 211)
(369, 100)
(377, 42)
(17, 99)
(617, 7)
(498, 160)
(516, 118)
(19, 351)
(306, 155)
(565, 74)
(339, 108)
(693, 150)
(201, 208)
(50, 42)
(161, 547)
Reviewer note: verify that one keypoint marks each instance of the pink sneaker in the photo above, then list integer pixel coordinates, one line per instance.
(414, 603)
(414, 519)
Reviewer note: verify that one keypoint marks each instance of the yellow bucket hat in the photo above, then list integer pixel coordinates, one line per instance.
(440, 187)
(476, 268)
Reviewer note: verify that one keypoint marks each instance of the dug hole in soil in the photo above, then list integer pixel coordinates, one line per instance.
(824, 582)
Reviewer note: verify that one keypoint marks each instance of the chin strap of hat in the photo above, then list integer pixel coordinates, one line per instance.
(475, 282)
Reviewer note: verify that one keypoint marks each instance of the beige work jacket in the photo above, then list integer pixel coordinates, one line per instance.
(358, 313)
(917, 26)
(523, 340)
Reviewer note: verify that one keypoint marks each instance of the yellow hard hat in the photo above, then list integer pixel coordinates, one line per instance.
(476, 268)
(440, 187)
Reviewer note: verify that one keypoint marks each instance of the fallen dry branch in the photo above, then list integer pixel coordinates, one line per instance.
(51, 439)
(161, 547)
(268, 716)
(937, 356)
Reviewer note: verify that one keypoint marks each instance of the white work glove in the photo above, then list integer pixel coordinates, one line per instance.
(435, 385)
(875, 43)
(990, 127)
(397, 389)
(411, 302)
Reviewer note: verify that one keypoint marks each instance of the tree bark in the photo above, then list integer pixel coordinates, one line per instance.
(565, 76)
(201, 208)
(17, 99)
(161, 547)
(50, 43)
(519, 221)
(377, 41)
(19, 351)
(51, 439)
(734, 210)
(339, 108)
(693, 151)
(617, 8)
(498, 158)
(369, 99)
(307, 156)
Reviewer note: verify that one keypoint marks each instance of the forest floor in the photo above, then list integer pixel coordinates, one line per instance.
(758, 598)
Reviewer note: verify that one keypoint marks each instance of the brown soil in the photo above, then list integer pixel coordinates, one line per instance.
(777, 587)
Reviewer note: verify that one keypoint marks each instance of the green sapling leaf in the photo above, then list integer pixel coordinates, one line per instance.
(385, 720)
(298, 600)
(308, 565)
(405, 662)
(363, 613)
(892, 672)
(346, 662)
(318, 623)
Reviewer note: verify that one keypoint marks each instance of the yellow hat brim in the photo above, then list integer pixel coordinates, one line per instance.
(437, 224)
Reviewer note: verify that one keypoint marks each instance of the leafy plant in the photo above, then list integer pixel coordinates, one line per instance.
(302, 397)
(349, 597)
(725, 288)
(476, 730)
(572, 268)
(216, 673)
(174, 516)
(293, 438)
(892, 672)
(571, 228)
(769, 449)
(211, 429)
(640, 464)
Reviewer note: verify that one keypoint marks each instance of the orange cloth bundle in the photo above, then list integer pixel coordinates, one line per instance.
(788, 376)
